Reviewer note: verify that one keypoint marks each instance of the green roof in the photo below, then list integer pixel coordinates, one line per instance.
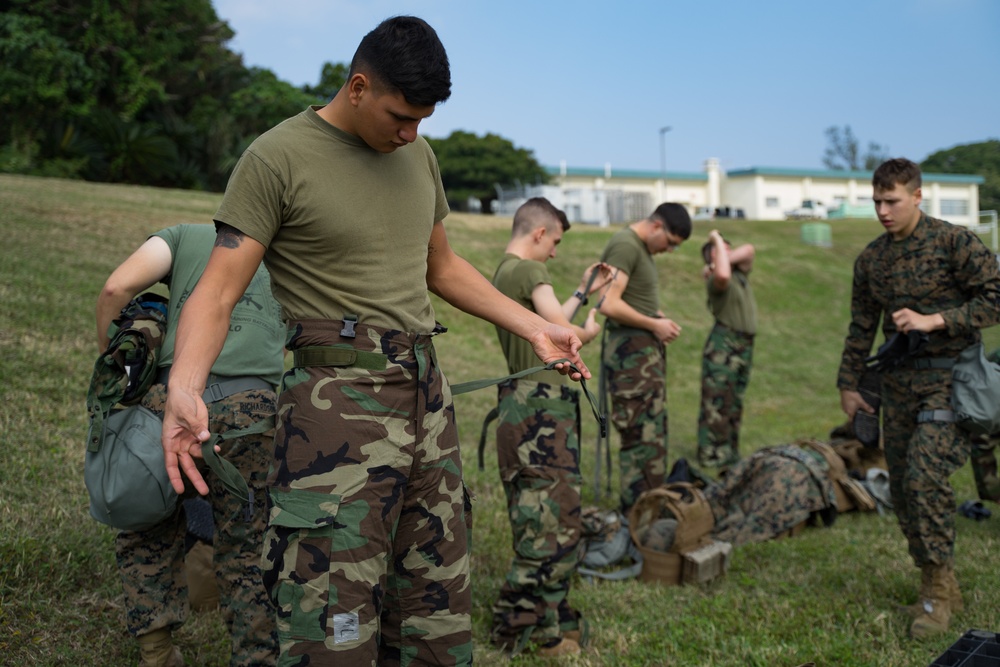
(840, 175)
(599, 172)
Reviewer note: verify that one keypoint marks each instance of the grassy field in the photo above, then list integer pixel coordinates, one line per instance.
(829, 595)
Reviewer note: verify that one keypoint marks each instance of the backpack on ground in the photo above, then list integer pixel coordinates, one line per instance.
(671, 526)
(606, 545)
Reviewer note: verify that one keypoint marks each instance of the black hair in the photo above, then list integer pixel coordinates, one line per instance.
(674, 217)
(404, 54)
(706, 252)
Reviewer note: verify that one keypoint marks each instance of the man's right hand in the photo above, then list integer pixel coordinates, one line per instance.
(666, 331)
(185, 427)
(851, 401)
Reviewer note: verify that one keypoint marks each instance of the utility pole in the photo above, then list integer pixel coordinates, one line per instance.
(663, 158)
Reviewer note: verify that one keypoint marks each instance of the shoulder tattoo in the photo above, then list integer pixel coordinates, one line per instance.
(227, 236)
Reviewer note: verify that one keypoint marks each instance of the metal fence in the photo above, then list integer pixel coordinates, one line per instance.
(596, 206)
(988, 225)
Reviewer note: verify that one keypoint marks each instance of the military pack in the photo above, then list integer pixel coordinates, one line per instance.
(975, 397)
(671, 526)
(124, 467)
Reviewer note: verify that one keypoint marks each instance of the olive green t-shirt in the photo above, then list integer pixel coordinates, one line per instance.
(517, 278)
(734, 306)
(626, 251)
(256, 339)
(346, 227)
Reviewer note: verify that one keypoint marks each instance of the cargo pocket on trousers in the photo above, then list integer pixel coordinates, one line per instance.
(297, 561)
(534, 515)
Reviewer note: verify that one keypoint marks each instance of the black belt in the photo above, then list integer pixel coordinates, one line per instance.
(218, 387)
(926, 363)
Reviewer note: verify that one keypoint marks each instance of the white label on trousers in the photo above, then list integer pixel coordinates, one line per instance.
(345, 628)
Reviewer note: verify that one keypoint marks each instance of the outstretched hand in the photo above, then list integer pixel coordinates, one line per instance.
(185, 427)
(555, 342)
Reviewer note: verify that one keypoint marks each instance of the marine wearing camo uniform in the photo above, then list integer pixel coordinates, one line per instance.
(367, 551)
(538, 448)
(634, 357)
(151, 562)
(728, 354)
(923, 274)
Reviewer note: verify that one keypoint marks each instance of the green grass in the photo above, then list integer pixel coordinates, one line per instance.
(829, 595)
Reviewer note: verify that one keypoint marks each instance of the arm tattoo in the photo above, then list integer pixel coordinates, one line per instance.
(228, 237)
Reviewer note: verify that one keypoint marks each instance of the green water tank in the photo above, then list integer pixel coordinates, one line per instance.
(817, 233)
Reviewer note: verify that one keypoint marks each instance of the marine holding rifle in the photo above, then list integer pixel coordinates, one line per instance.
(538, 446)
(922, 275)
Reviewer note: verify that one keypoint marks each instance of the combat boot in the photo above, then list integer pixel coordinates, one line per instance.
(954, 594)
(917, 608)
(156, 649)
(936, 612)
(558, 647)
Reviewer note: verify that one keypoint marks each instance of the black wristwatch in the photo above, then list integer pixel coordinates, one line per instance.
(581, 296)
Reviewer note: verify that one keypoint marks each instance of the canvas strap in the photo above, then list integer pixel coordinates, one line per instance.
(926, 363)
(227, 472)
(335, 355)
(924, 416)
(465, 387)
(218, 387)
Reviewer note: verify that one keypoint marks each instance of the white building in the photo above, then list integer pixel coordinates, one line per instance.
(603, 196)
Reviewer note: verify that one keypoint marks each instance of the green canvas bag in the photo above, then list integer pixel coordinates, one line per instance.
(124, 468)
(126, 474)
(975, 392)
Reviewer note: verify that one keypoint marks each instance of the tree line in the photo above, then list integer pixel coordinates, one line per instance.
(150, 93)
(843, 152)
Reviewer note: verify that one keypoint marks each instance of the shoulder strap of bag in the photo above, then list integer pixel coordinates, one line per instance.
(227, 472)
(465, 387)
(490, 416)
(603, 440)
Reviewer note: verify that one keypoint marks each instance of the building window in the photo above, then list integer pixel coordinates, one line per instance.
(954, 207)
(863, 200)
(838, 200)
(771, 202)
(925, 205)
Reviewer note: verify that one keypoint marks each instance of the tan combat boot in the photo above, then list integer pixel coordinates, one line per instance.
(936, 613)
(954, 594)
(917, 607)
(156, 649)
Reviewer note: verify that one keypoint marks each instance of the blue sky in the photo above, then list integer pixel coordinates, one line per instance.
(753, 83)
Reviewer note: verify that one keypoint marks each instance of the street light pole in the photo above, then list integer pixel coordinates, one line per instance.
(663, 158)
